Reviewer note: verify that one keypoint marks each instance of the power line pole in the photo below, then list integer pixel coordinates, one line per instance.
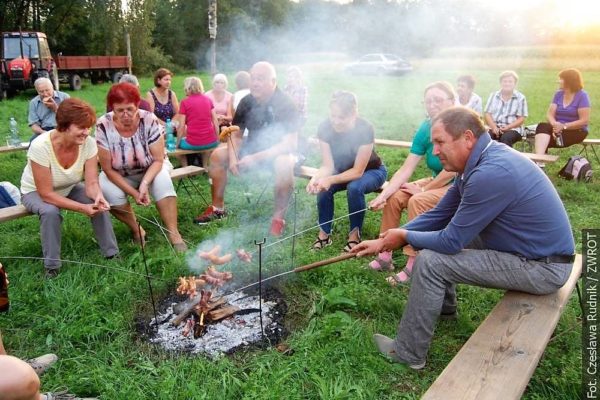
(212, 33)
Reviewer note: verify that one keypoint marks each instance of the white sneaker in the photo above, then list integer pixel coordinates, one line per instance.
(42, 363)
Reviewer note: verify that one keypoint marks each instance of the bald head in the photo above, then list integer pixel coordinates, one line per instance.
(263, 81)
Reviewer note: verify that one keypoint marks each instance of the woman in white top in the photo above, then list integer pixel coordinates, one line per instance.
(58, 162)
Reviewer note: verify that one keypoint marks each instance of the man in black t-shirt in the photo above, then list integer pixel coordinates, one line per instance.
(272, 121)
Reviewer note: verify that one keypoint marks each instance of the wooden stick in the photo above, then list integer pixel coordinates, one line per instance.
(321, 263)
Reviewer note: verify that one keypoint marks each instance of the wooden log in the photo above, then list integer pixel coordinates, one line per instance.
(192, 304)
(222, 312)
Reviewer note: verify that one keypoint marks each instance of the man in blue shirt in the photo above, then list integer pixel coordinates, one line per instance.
(501, 225)
(42, 108)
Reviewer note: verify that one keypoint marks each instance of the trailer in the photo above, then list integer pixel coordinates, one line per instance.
(25, 57)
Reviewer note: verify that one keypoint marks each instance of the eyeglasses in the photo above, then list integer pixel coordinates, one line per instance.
(435, 100)
(128, 110)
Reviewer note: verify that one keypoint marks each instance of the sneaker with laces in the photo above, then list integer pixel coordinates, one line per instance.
(210, 214)
(277, 226)
(64, 395)
(42, 363)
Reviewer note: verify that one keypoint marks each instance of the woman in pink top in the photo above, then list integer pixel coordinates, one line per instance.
(222, 99)
(197, 114)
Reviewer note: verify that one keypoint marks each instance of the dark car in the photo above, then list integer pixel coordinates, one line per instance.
(378, 64)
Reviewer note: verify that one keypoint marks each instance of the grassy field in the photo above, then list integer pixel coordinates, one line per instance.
(88, 314)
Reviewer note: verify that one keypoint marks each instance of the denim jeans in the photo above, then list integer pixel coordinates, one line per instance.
(370, 181)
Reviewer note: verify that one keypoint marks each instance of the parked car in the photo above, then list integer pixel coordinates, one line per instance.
(379, 64)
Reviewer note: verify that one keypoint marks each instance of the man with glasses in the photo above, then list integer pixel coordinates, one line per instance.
(272, 121)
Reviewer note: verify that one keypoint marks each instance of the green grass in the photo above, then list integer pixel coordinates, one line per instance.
(88, 314)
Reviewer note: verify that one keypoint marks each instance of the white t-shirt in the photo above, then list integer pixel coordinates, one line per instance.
(63, 180)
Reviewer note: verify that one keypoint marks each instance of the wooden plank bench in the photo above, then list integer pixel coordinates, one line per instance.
(14, 212)
(545, 158)
(177, 174)
(500, 357)
(11, 149)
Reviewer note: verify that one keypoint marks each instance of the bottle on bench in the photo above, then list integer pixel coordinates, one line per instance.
(170, 137)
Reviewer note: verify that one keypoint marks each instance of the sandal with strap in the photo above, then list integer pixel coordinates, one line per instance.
(383, 262)
(349, 245)
(397, 279)
(321, 243)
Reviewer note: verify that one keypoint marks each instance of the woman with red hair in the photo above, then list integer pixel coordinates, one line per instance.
(132, 155)
(57, 163)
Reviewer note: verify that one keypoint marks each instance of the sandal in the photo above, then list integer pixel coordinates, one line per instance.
(321, 243)
(383, 262)
(349, 245)
(397, 279)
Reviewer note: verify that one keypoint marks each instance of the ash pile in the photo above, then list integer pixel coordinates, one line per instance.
(201, 319)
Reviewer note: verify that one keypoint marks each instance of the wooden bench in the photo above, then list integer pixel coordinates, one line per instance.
(545, 158)
(177, 174)
(500, 357)
(14, 212)
(11, 149)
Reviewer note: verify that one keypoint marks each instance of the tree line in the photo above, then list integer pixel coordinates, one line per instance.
(174, 33)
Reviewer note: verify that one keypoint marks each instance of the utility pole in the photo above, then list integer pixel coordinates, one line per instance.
(212, 33)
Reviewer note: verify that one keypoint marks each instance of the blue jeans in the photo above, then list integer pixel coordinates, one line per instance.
(370, 181)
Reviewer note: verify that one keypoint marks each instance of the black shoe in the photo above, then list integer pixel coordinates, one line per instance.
(51, 273)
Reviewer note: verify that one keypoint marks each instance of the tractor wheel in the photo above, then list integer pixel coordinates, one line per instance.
(74, 82)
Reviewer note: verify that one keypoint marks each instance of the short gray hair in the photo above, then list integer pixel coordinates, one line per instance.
(39, 81)
(457, 120)
(130, 78)
(193, 84)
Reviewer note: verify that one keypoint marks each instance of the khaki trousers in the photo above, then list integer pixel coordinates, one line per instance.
(415, 205)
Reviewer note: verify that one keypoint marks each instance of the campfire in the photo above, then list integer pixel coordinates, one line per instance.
(207, 320)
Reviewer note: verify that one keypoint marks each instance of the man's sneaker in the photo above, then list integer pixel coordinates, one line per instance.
(42, 363)
(386, 346)
(64, 395)
(209, 214)
(277, 226)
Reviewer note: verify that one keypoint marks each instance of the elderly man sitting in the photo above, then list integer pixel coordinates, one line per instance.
(272, 121)
(42, 109)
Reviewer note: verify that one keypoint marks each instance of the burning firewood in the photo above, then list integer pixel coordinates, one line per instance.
(189, 325)
(190, 285)
(244, 256)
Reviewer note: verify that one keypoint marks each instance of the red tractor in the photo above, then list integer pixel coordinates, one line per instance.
(25, 57)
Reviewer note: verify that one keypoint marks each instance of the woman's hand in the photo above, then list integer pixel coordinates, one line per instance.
(557, 127)
(311, 188)
(411, 188)
(143, 197)
(90, 210)
(378, 202)
(101, 203)
(322, 184)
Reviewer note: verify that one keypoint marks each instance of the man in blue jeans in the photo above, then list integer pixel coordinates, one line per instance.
(501, 225)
